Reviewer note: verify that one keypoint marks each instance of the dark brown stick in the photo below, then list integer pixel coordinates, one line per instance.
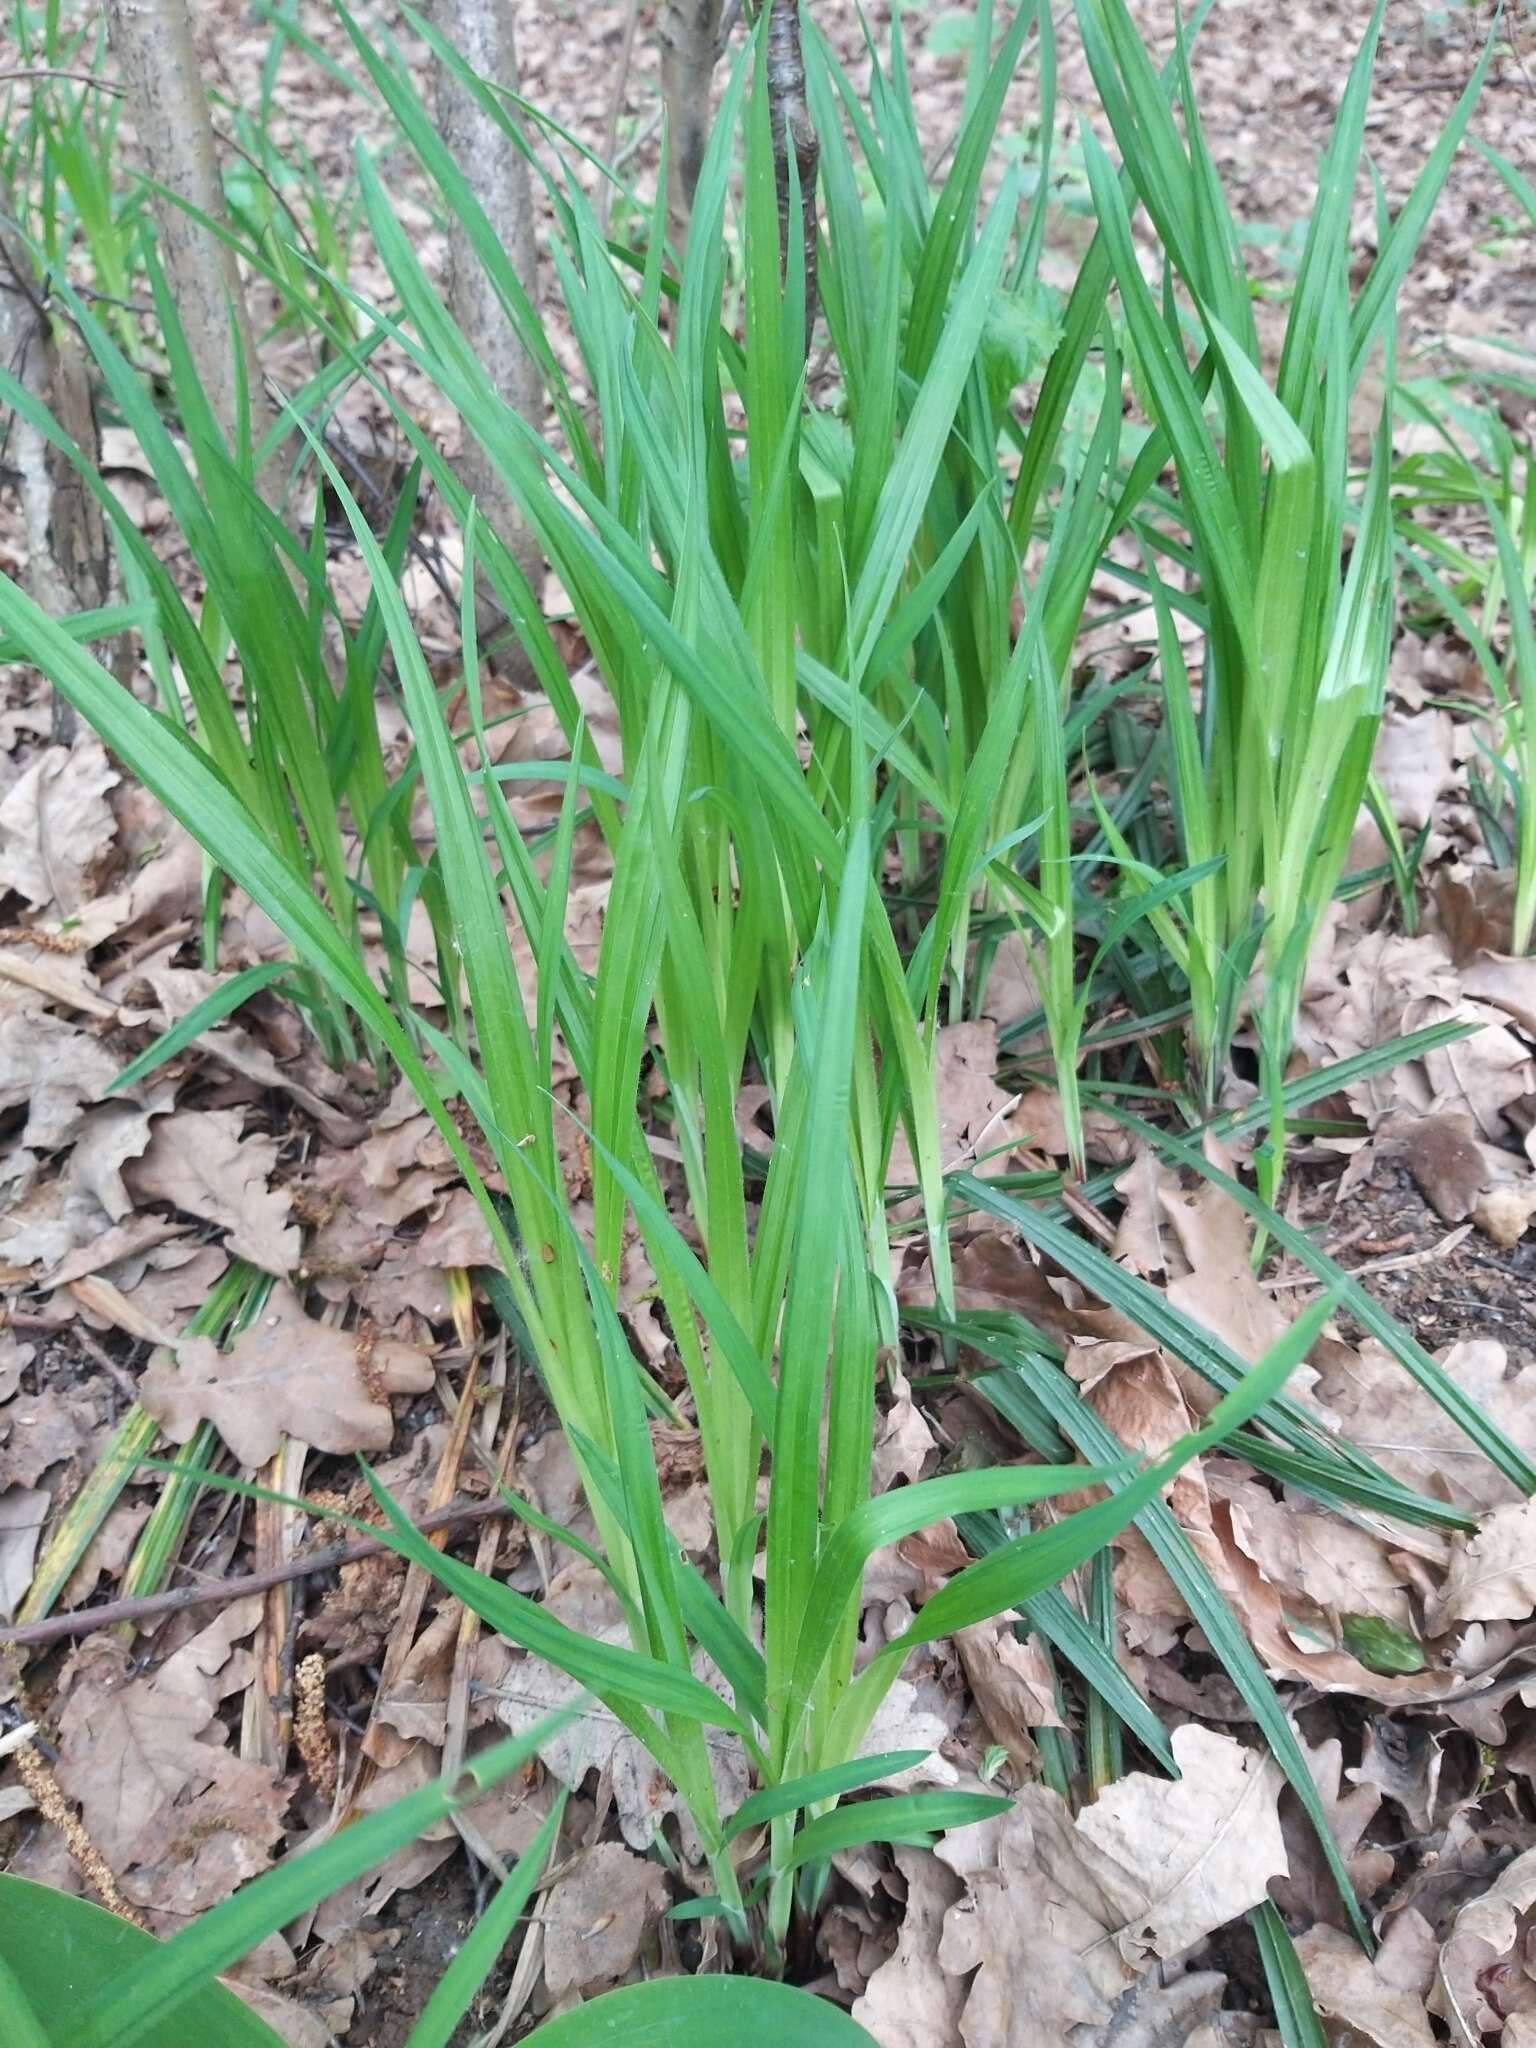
(793, 134)
(150, 1606)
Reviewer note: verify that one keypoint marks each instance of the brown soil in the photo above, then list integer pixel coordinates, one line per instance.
(1474, 1290)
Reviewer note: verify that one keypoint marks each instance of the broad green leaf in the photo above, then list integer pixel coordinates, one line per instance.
(906, 1817)
(748, 2012)
(796, 1793)
(144, 1996)
(65, 1956)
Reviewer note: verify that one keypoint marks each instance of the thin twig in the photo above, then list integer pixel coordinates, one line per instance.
(642, 135)
(28, 77)
(615, 111)
(150, 1606)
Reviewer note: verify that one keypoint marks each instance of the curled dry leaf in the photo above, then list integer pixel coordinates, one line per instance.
(1505, 983)
(285, 1374)
(162, 888)
(1309, 1894)
(1459, 1175)
(52, 1070)
(1135, 1391)
(910, 2001)
(1385, 985)
(1473, 909)
(239, 1051)
(1493, 1574)
(1010, 1682)
(167, 1285)
(1504, 1211)
(356, 1227)
(1431, 1774)
(415, 1703)
(1317, 1559)
(1348, 1988)
(915, 1716)
(594, 1739)
(127, 1246)
(180, 1820)
(107, 1552)
(199, 1162)
(1059, 1914)
(973, 1109)
(293, 2024)
(1414, 764)
(128, 1752)
(81, 1206)
(1032, 1926)
(1269, 1622)
(15, 1357)
(903, 1440)
(1038, 1124)
(1142, 1233)
(62, 979)
(22, 1513)
(1481, 1975)
(598, 1917)
(1220, 1291)
(36, 1431)
(1180, 1858)
(1171, 2014)
(1012, 990)
(458, 1236)
(57, 828)
(1386, 1413)
(208, 1666)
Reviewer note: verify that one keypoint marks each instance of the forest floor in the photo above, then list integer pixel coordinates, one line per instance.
(119, 1219)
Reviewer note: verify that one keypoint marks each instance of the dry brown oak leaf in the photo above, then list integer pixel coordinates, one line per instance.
(201, 1163)
(286, 1375)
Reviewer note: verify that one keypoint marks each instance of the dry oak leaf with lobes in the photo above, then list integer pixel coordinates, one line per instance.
(287, 1374)
(1058, 1912)
(199, 1161)
(1481, 1975)
(56, 826)
(1348, 1988)
(910, 2002)
(1381, 1410)
(598, 1917)
(1493, 1574)
(1178, 1859)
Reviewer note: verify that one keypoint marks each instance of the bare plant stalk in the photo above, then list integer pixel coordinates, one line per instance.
(690, 44)
(616, 110)
(69, 568)
(154, 46)
(497, 172)
(793, 131)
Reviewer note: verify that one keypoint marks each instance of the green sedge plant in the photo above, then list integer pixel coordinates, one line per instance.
(1483, 593)
(802, 601)
(1288, 574)
(795, 1704)
(59, 157)
(794, 1338)
(1480, 585)
(122, 1986)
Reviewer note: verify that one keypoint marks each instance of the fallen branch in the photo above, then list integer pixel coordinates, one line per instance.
(218, 1593)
